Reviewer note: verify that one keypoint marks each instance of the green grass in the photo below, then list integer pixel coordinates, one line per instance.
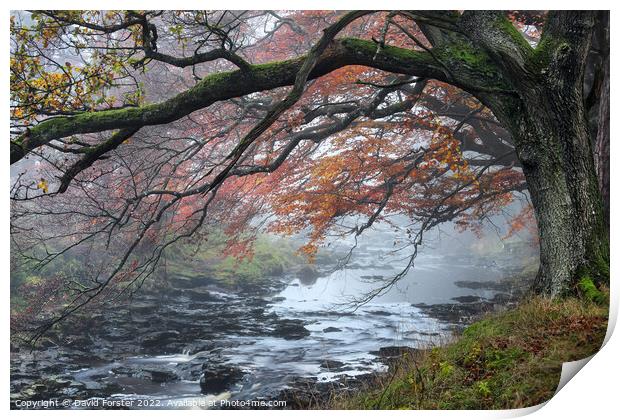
(507, 360)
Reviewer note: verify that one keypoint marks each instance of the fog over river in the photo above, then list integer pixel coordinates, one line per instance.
(201, 343)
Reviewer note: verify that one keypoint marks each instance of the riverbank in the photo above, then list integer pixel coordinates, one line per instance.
(506, 360)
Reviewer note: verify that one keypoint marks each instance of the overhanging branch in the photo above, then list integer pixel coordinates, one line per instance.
(227, 85)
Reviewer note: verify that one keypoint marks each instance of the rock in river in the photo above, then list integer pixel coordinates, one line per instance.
(290, 329)
(331, 364)
(161, 375)
(331, 329)
(217, 379)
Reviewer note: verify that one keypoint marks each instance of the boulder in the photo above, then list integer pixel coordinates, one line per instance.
(331, 364)
(290, 329)
(217, 379)
(393, 351)
(161, 375)
(467, 299)
(331, 329)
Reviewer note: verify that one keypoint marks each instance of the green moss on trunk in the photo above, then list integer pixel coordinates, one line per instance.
(589, 291)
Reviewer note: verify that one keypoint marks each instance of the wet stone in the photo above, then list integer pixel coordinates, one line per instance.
(216, 379)
(161, 375)
(467, 299)
(331, 330)
(290, 329)
(393, 351)
(331, 364)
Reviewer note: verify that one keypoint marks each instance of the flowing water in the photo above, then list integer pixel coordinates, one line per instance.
(254, 346)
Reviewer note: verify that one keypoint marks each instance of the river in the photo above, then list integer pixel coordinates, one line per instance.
(200, 344)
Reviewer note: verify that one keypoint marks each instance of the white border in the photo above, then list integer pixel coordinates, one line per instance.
(592, 394)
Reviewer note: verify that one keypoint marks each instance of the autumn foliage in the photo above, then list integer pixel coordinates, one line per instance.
(359, 147)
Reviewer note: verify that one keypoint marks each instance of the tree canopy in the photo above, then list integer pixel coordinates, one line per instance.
(132, 130)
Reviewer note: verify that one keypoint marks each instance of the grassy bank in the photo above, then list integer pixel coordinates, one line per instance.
(507, 360)
(271, 257)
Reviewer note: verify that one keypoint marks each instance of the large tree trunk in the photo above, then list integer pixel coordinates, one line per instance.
(550, 127)
(548, 122)
(555, 149)
(547, 119)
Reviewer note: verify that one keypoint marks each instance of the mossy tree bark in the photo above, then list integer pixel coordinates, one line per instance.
(550, 129)
(553, 145)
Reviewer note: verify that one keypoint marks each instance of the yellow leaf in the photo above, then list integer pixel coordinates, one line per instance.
(42, 185)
